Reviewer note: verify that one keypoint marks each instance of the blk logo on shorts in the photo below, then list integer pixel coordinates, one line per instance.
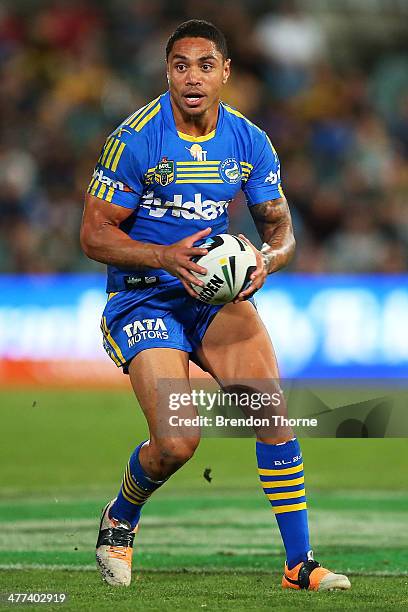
(146, 329)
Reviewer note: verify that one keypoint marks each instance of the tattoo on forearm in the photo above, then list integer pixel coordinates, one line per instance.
(274, 224)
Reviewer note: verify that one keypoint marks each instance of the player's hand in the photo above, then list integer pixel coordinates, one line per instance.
(176, 259)
(257, 277)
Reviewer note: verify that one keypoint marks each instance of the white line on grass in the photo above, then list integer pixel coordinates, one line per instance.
(193, 570)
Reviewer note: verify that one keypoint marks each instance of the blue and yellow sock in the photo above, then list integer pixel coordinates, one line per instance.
(135, 491)
(280, 469)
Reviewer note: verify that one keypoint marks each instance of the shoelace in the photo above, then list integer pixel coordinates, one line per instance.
(118, 551)
(116, 536)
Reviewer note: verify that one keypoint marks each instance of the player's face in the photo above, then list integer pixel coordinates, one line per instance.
(196, 72)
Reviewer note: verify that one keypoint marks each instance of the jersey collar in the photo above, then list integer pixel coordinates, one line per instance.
(169, 119)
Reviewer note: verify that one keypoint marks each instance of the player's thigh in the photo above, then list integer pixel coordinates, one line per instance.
(159, 377)
(237, 351)
(236, 345)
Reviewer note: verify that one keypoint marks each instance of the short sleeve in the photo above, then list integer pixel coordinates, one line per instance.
(118, 175)
(264, 181)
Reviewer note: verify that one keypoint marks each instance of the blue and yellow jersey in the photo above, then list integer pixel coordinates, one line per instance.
(177, 184)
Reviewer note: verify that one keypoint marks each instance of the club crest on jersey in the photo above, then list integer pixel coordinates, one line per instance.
(197, 152)
(164, 173)
(230, 170)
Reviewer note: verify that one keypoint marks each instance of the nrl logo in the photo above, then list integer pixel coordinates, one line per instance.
(164, 173)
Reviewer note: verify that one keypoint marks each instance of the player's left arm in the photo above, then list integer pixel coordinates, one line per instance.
(274, 224)
(269, 210)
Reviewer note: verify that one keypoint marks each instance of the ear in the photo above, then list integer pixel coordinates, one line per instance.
(226, 71)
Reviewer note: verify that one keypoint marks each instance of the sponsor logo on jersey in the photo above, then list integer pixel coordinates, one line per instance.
(102, 178)
(199, 209)
(164, 173)
(273, 177)
(230, 170)
(146, 329)
(197, 152)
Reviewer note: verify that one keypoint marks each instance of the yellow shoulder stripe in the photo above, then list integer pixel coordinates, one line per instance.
(233, 111)
(133, 119)
(118, 156)
(134, 115)
(272, 147)
(143, 113)
(111, 153)
(141, 123)
(109, 143)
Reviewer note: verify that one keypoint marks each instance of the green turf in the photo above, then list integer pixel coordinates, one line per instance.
(213, 531)
(201, 545)
(82, 440)
(198, 591)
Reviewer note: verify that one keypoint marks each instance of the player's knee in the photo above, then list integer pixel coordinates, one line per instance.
(175, 452)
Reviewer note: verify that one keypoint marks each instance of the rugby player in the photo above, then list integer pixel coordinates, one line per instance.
(160, 189)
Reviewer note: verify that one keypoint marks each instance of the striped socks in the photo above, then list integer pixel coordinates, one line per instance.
(280, 469)
(135, 491)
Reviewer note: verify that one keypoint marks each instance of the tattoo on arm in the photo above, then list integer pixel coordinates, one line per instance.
(274, 225)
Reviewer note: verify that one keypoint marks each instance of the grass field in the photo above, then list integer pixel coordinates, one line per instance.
(202, 545)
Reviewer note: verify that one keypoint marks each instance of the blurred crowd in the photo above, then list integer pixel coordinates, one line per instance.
(71, 70)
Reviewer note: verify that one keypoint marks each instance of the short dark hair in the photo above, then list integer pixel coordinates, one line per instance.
(198, 28)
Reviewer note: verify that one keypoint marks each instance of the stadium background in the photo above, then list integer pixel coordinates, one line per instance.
(329, 83)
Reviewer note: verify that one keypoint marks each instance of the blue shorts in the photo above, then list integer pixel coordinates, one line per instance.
(154, 317)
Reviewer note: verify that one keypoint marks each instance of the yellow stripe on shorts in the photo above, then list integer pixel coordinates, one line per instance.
(112, 342)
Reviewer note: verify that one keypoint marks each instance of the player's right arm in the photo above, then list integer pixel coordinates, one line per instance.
(104, 241)
(113, 195)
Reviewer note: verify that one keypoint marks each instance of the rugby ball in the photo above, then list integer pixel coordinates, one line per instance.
(230, 261)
